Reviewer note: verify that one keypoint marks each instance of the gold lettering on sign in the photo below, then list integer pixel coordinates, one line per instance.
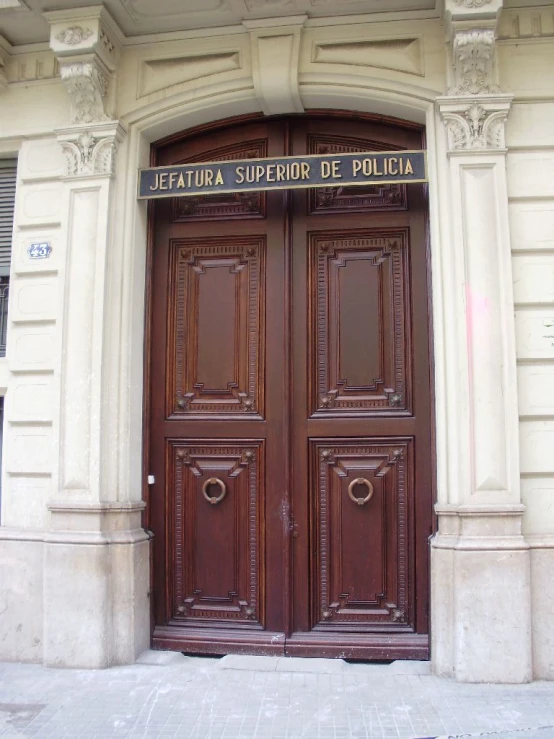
(261, 173)
(392, 166)
(330, 169)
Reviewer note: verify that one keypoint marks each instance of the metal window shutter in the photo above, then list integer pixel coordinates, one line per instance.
(8, 172)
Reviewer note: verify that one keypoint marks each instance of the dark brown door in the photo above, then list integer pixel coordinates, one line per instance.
(289, 406)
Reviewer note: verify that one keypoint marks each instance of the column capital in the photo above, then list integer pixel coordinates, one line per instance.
(475, 123)
(87, 45)
(90, 150)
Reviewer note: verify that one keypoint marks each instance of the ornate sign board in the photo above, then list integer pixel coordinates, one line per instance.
(248, 175)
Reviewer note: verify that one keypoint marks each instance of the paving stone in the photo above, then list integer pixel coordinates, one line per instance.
(247, 662)
(160, 658)
(264, 698)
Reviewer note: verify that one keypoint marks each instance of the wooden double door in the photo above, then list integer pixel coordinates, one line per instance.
(289, 409)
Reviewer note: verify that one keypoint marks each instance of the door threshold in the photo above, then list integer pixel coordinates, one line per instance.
(374, 647)
(204, 641)
(359, 646)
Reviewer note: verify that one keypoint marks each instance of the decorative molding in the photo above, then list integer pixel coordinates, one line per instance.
(91, 152)
(3, 75)
(473, 61)
(395, 54)
(472, 3)
(475, 125)
(5, 48)
(156, 75)
(475, 128)
(526, 25)
(73, 35)
(87, 47)
(87, 86)
(26, 68)
(275, 60)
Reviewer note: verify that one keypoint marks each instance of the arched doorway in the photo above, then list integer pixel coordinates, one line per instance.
(290, 421)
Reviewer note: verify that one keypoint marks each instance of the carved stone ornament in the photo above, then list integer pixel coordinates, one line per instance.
(74, 35)
(475, 128)
(90, 155)
(87, 86)
(472, 3)
(473, 56)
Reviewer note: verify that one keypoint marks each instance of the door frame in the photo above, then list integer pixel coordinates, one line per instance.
(348, 89)
(213, 127)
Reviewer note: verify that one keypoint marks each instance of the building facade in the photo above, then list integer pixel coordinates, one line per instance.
(113, 440)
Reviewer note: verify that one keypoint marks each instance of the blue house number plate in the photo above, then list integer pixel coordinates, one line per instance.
(39, 250)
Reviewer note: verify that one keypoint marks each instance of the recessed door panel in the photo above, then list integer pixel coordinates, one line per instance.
(354, 198)
(226, 206)
(218, 533)
(363, 529)
(217, 326)
(360, 338)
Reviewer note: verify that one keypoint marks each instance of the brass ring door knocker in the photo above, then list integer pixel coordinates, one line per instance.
(360, 481)
(214, 481)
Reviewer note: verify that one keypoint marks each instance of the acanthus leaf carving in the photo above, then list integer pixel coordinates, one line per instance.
(74, 35)
(90, 155)
(87, 86)
(475, 127)
(473, 52)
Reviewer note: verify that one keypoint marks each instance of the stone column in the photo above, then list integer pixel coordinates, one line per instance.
(96, 573)
(480, 561)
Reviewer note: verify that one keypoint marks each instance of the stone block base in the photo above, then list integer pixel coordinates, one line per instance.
(77, 596)
(481, 598)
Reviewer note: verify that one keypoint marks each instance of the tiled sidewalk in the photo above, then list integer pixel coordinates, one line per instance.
(264, 698)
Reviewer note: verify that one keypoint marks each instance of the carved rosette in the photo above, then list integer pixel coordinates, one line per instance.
(74, 35)
(475, 126)
(91, 152)
(474, 63)
(472, 3)
(87, 86)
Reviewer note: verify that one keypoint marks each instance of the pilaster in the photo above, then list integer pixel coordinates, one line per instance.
(481, 582)
(96, 572)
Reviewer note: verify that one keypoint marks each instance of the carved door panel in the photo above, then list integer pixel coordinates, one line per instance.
(289, 410)
(217, 393)
(362, 470)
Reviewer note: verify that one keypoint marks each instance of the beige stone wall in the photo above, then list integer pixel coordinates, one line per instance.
(72, 457)
(526, 51)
